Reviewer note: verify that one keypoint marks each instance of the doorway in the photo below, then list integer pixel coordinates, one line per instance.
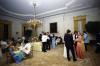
(5, 29)
(79, 23)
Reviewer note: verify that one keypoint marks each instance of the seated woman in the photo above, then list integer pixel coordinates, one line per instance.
(16, 53)
(5, 50)
(3, 46)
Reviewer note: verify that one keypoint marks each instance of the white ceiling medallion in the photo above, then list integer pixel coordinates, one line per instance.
(34, 1)
(69, 3)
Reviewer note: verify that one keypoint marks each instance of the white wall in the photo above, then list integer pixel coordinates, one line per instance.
(58, 19)
(16, 25)
(40, 28)
(65, 21)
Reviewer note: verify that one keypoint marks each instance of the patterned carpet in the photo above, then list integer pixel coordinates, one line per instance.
(54, 57)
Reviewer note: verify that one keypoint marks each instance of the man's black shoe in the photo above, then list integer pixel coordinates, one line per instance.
(74, 59)
(68, 59)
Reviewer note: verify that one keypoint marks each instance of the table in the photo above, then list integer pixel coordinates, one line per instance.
(37, 46)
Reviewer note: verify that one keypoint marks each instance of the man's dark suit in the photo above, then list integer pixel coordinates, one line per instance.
(68, 38)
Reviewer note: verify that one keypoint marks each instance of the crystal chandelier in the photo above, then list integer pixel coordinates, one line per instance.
(34, 23)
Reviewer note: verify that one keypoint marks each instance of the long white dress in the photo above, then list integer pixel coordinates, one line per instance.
(65, 52)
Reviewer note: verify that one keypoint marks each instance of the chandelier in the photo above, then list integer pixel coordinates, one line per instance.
(34, 23)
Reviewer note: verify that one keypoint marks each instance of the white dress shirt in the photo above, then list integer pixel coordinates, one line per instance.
(27, 48)
(44, 38)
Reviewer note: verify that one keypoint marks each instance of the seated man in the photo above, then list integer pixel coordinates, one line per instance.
(27, 48)
(3, 46)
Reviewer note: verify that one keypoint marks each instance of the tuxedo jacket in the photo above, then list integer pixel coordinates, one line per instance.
(68, 38)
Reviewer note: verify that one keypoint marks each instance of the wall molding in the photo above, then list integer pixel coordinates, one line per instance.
(59, 11)
(66, 11)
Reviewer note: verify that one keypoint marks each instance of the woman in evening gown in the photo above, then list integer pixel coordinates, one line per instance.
(80, 47)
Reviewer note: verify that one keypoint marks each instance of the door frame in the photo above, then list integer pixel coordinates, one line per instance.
(79, 18)
(9, 29)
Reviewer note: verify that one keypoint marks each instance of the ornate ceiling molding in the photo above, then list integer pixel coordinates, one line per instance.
(47, 12)
(67, 8)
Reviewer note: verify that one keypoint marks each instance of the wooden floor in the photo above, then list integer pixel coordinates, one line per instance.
(94, 57)
(54, 57)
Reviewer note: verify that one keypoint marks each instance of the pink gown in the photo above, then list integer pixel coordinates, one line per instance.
(79, 48)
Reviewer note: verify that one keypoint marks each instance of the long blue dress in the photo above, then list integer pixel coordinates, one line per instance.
(53, 42)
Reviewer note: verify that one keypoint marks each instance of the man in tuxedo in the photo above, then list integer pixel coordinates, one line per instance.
(68, 38)
(44, 42)
(48, 41)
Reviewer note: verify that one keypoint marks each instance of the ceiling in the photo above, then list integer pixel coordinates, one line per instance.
(23, 9)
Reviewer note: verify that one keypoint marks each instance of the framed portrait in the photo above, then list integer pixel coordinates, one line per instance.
(53, 27)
